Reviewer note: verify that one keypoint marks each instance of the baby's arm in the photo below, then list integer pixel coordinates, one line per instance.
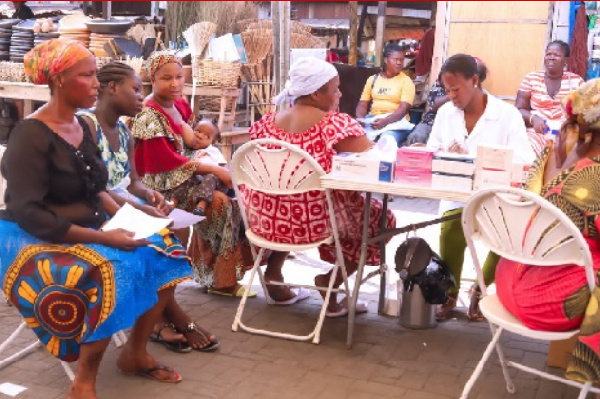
(189, 137)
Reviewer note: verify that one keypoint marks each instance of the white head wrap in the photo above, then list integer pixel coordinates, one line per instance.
(307, 75)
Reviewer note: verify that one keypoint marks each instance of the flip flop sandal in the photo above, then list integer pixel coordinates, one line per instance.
(238, 292)
(193, 327)
(175, 346)
(149, 373)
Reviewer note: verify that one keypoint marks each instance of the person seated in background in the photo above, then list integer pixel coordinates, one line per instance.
(22, 10)
(387, 97)
(558, 298)
(540, 93)
(435, 99)
(314, 125)
(331, 55)
(120, 94)
(472, 117)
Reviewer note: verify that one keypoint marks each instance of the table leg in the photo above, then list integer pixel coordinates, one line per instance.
(382, 265)
(222, 112)
(359, 271)
(27, 108)
(227, 149)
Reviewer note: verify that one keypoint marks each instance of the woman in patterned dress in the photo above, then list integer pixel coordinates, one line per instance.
(120, 94)
(558, 298)
(74, 284)
(314, 125)
(167, 166)
(540, 94)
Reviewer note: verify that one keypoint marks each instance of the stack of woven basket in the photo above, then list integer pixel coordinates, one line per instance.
(206, 71)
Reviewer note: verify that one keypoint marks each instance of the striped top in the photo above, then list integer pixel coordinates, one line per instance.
(542, 104)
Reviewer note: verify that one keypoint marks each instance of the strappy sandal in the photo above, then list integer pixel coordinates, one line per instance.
(446, 308)
(474, 313)
(192, 327)
(175, 346)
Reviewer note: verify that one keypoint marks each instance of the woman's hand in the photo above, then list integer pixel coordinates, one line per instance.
(157, 200)
(379, 123)
(457, 148)
(152, 211)
(122, 239)
(539, 124)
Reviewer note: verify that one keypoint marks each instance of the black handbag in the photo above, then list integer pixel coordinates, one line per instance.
(417, 263)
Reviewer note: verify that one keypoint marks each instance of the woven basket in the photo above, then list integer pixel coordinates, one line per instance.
(207, 72)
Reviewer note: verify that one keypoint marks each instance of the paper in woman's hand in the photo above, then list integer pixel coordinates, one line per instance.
(141, 224)
(183, 219)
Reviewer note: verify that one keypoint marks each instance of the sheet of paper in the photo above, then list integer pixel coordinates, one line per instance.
(183, 219)
(131, 219)
(11, 389)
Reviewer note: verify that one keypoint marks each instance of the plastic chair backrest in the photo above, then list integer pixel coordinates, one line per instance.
(275, 167)
(523, 227)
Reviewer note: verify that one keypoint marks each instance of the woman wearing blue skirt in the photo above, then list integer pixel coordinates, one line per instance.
(74, 284)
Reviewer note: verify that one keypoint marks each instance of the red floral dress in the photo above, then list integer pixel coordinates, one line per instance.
(303, 218)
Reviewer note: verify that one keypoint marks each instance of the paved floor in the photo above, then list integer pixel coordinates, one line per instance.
(387, 361)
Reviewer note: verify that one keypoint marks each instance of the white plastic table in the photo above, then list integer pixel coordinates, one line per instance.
(333, 182)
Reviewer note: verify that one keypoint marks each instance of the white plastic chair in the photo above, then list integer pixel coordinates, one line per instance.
(523, 227)
(279, 168)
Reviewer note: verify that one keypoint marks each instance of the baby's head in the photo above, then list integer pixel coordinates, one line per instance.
(206, 133)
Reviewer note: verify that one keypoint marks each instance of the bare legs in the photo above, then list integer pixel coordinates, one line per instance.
(322, 280)
(134, 356)
(273, 273)
(84, 385)
(278, 293)
(176, 315)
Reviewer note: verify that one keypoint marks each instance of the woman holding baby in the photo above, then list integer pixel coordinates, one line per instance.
(165, 159)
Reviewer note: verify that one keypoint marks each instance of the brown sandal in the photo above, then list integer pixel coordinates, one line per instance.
(474, 313)
(446, 308)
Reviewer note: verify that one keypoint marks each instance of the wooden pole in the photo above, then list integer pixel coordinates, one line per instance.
(106, 9)
(361, 25)
(276, 32)
(353, 33)
(381, 8)
(285, 38)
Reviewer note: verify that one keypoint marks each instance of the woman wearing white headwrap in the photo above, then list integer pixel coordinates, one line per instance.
(314, 125)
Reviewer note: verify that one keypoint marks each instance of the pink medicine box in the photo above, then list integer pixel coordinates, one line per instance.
(415, 157)
(413, 176)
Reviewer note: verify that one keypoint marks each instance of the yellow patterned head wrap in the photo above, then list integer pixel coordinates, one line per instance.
(582, 108)
(52, 57)
(158, 59)
(583, 105)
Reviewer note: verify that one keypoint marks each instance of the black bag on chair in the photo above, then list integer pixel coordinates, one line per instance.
(417, 263)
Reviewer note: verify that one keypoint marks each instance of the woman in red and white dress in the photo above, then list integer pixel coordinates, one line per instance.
(540, 94)
(314, 125)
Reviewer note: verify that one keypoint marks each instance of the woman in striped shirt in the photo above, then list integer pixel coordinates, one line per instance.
(540, 93)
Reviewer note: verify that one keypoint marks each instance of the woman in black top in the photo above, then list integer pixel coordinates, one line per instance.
(73, 283)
